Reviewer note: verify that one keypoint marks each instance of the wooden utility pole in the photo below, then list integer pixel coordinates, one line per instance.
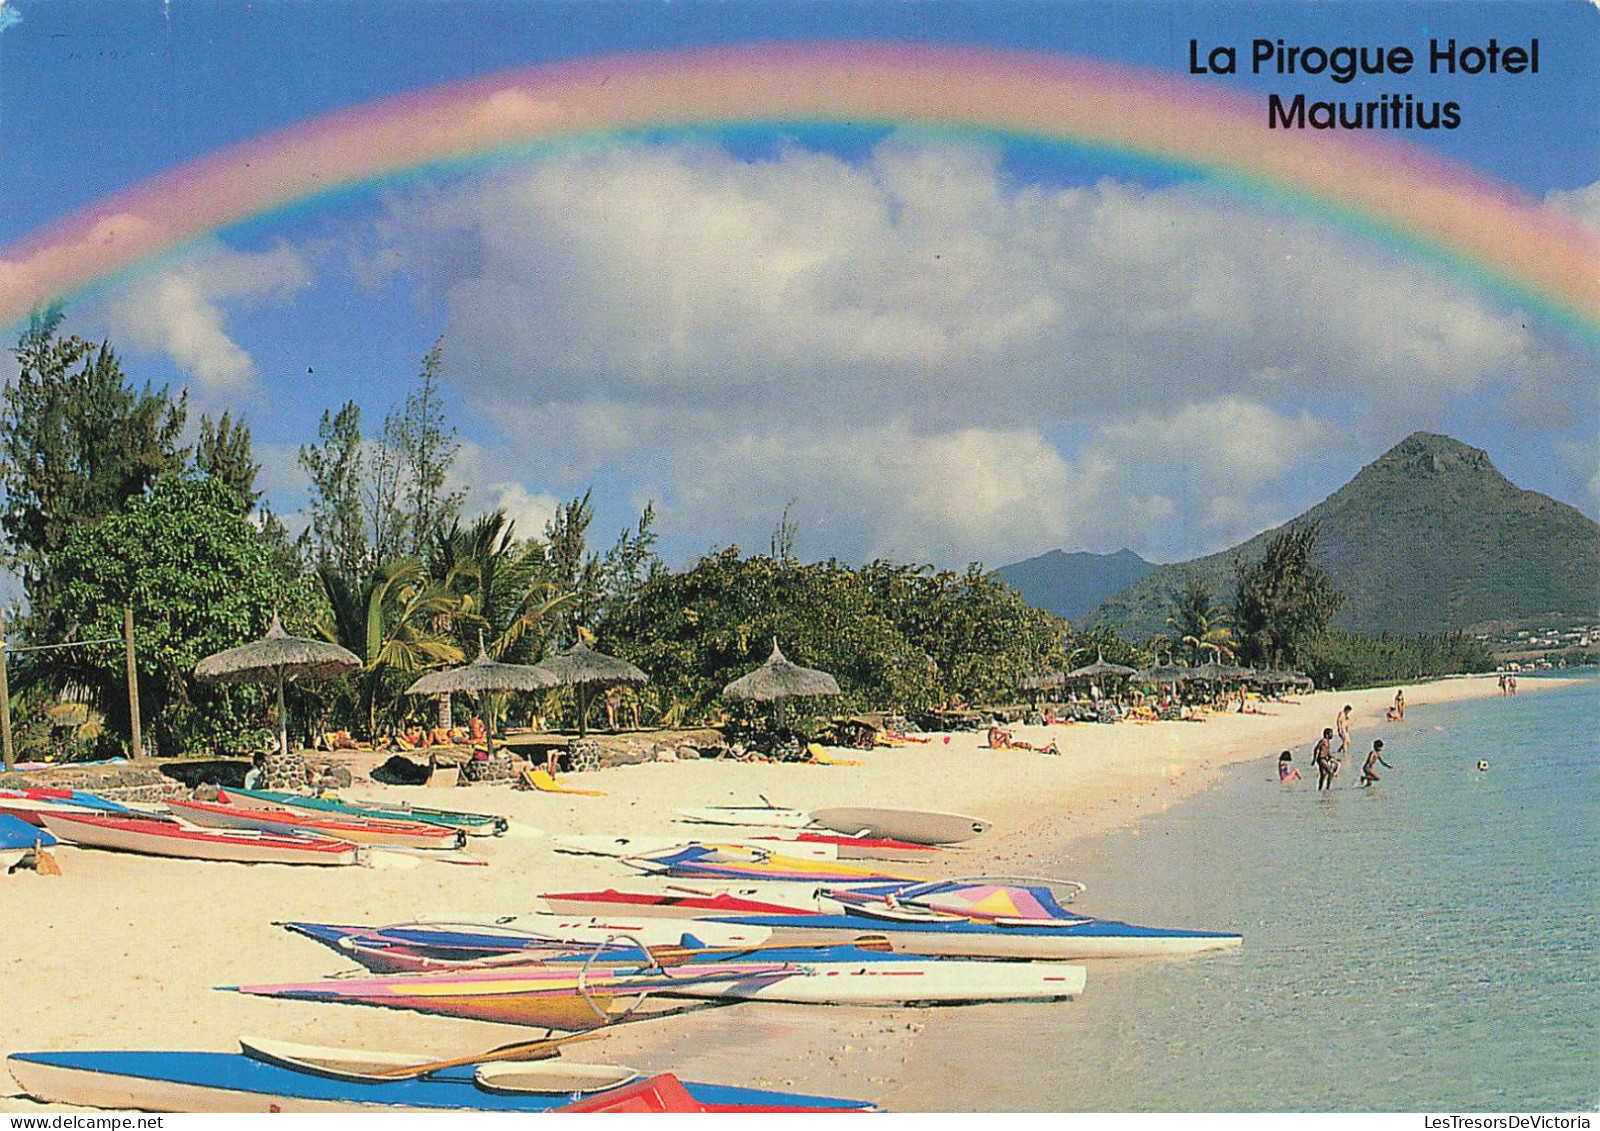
(5, 703)
(133, 681)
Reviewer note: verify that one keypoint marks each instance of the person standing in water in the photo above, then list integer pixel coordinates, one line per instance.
(1369, 773)
(1342, 725)
(1400, 705)
(1327, 765)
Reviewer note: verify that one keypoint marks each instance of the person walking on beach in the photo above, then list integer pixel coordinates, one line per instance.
(1400, 705)
(1369, 773)
(1327, 764)
(1342, 724)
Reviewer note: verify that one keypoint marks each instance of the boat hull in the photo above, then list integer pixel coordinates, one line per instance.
(690, 905)
(913, 825)
(168, 838)
(1094, 938)
(908, 982)
(212, 1082)
(383, 834)
(473, 824)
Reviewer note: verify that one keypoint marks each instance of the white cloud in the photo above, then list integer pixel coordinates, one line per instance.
(180, 309)
(937, 361)
(1581, 204)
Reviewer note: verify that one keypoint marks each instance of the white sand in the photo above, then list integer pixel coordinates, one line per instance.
(123, 951)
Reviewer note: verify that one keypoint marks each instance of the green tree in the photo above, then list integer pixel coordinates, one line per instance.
(1284, 600)
(200, 579)
(572, 567)
(1198, 624)
(223, 454)
(336, 464)
(76, 443)
(427, 447)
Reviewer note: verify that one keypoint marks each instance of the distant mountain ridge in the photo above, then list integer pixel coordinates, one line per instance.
(1070, 585)
(1429, 537)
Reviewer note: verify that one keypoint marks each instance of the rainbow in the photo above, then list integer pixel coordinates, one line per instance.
(1499, 237)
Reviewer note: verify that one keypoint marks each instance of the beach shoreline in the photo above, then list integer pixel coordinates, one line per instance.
(122, 951)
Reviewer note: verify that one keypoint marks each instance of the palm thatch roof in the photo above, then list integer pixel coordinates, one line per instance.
(1043, 681)
(1099, 668)
(482, 675)
(1164, 673)
(581, 665)
(780, 679)
(277, 656)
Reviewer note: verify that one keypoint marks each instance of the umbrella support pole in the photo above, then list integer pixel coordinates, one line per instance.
(283, 722)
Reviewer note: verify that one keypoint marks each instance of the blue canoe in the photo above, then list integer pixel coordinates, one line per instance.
(414, 947)
(234, 1082)
(16, 833)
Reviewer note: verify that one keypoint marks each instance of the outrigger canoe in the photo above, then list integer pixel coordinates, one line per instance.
(687, 903)
(423, 945)
(276, 1077)
(564, 998)
(473, 824)
(981, 917)
(821, 975)
(171, 838)
(731, 862)
(356, 830)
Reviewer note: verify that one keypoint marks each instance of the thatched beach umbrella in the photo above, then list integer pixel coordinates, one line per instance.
(583, 669)
(480, 677)
(778, 681)
(1163, 673)
(280, 658)
(1044, 681)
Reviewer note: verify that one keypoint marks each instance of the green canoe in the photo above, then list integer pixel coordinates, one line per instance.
(473, 824)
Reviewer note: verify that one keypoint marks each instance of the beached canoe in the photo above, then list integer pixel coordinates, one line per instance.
(730, 862)
(30, 804)
(569, 998)
(914, 825)
(18, 839)
(686, 903)
(213, 1082)
(856, 847)
(982, 917)
(400, 947)
(473, 824)
(823, 975)
(622, 846)
(747, 816)
(171, 838)
(356, 830)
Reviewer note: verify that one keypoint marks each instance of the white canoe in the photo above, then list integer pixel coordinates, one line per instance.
(903, 982)
(747, 816)
(539, 1077)
(169, 838)
(620, 846)
(914, 825)
(685, 901)
(595, 929)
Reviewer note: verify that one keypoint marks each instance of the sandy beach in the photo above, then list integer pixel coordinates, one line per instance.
(123, 951)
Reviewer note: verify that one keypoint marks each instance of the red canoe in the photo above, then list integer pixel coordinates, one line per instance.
(169, 838)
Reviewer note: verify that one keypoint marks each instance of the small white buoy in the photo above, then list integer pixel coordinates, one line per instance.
(1483, 763)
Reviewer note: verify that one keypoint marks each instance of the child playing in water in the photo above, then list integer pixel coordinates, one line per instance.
(1368, 773)
(1287, 770)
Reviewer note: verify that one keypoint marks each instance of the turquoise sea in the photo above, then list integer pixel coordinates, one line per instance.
(1427, 944)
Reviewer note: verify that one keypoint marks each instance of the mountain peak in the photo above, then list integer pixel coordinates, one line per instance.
(1427, 453)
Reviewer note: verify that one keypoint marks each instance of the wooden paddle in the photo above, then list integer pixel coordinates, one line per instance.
(522, 1050)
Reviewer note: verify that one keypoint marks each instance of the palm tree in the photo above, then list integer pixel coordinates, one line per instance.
(1198, 621)
(389, 620)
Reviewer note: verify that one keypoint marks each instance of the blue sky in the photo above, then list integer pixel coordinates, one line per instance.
(1126, 356)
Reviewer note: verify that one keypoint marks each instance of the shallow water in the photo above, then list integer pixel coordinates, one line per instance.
(1425, 944)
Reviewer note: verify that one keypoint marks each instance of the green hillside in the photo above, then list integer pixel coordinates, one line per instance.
(1070, 585)
(1429, 537)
